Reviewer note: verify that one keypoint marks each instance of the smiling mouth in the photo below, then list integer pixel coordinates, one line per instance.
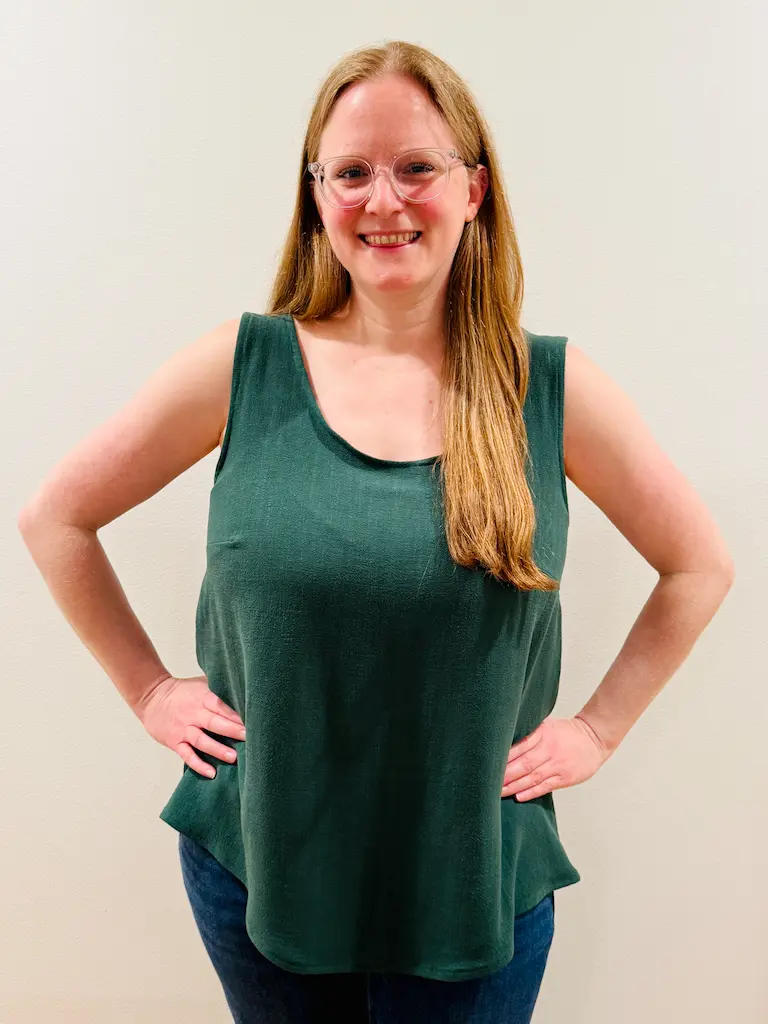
(393, 245)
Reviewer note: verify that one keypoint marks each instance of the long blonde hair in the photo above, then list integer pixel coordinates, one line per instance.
(488, 509)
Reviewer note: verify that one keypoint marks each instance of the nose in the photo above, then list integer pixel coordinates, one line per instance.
(384, 200)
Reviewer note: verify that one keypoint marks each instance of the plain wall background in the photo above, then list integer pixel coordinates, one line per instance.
(141, 206)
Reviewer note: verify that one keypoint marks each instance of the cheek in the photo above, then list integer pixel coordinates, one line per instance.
(340, 225)
(434, 215)
(444, 221)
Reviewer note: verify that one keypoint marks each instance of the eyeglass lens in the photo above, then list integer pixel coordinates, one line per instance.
(420, 175)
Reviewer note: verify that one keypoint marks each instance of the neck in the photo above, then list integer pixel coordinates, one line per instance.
(384, 327)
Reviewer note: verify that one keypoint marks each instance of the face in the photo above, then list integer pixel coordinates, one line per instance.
(378, 120)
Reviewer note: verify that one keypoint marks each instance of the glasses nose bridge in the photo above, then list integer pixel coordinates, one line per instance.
(388, 170)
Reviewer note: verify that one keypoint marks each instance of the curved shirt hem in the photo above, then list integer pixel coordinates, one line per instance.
(432, 973)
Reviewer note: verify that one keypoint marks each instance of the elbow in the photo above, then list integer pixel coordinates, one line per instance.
(725, 567)
(729, 574)
(724, 572)
(722, 566)
(24, 519)
(29, 517)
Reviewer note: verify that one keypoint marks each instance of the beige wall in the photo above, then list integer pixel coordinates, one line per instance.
(140, 210)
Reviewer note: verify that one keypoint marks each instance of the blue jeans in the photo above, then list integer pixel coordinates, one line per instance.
(259, 992)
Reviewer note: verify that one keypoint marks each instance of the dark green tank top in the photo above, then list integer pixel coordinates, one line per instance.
(380, 683)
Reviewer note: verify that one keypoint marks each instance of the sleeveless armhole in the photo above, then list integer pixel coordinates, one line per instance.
(237, 367)
(562, 344)
(547, 355)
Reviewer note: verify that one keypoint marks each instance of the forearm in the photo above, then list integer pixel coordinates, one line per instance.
(84, 585)
(679, 608)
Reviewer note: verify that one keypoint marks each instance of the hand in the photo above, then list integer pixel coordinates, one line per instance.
(561, 752)
(176, 711)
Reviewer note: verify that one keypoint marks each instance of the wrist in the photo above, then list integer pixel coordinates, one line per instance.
(598, 733)
(138, 705)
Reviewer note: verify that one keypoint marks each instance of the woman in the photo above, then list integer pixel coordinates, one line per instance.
(365, 813)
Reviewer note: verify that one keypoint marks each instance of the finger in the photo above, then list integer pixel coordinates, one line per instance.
(526, 768)
(196, 737)
(538, 777)
(219, 723)
(188, 756)
(546, 787)
(213, 702)
(524, 746)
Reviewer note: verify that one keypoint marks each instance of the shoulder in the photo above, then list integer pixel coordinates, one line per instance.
(214, 354)
(612, 456)
(546, 381)
(597, 413)
(171, 422)
(248, 329)
(603, 431)
(546, 350)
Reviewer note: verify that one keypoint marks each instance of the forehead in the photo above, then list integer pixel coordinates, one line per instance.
(379, 118)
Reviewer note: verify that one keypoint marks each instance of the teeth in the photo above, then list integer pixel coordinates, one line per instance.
(390, 239)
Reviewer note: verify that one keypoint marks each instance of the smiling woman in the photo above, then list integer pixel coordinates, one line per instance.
(364, 600)
(379, 623)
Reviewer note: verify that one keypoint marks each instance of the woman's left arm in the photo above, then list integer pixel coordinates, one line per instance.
(612, 457)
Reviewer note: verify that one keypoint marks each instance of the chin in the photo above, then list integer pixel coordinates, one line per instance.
(392, 283)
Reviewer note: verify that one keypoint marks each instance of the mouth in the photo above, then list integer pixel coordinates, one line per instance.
(394, 244)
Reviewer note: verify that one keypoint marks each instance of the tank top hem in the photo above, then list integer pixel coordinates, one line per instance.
(296, 965)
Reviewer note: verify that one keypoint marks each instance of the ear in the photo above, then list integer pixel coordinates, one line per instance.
(478, 186)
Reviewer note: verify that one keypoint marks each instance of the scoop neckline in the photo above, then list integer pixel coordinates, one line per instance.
(321, 422)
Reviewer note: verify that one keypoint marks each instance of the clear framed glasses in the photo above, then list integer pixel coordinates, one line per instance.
(417, 176)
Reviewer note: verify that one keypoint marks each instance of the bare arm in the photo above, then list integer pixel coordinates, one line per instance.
(611, 456)
(173, 421)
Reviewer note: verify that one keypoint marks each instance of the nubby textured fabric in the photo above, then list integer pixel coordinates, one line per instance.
(381, 686)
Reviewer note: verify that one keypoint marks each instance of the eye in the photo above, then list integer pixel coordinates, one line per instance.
(349, 171)
(418, 167)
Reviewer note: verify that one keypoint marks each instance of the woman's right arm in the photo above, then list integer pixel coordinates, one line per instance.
(174, 420)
